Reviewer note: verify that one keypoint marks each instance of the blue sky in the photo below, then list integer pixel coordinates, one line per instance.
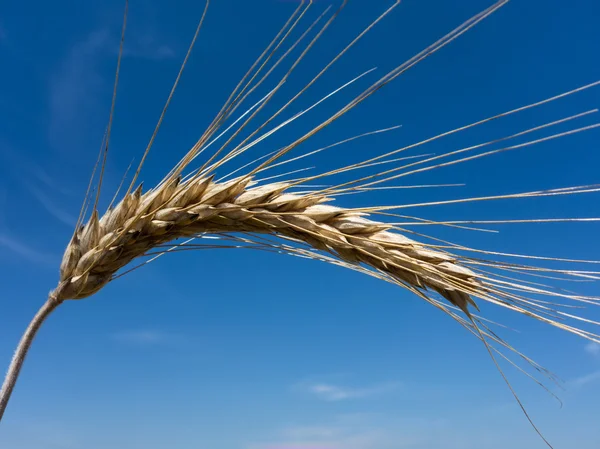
(246, 350)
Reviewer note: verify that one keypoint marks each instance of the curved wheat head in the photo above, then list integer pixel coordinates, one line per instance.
(196, 207)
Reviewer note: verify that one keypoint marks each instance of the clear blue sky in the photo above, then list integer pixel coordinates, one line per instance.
(245, 350)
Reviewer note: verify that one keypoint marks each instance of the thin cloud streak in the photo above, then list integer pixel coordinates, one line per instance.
(593, 349)
(74, 88)
(342, 433)
(50, 206)
(145, 46)
(333, 393)
(77, 86)
(585, 380)
(24, 250)
(146, 337)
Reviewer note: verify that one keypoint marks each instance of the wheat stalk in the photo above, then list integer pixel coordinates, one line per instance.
(193, 209)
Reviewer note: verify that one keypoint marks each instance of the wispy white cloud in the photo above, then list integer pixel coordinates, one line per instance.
(25, 250)
(593, 349)
(146, 337)
(74, 87)
(28, 169)
(13, 245)
(43, 177)
(79, 83)
(585, 380)
(349, 432)
(345, 438)
(331, 392)
(54, 210)
(147, 46)
(47, 189)
(467, 429)
(312, 432)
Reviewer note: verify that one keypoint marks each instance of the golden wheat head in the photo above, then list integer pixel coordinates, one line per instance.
(191, 208)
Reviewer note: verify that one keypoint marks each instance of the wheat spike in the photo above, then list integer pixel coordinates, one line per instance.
(141, 222)
(191, 208)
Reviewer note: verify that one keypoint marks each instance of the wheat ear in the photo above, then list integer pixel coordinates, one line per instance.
(247, 211)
